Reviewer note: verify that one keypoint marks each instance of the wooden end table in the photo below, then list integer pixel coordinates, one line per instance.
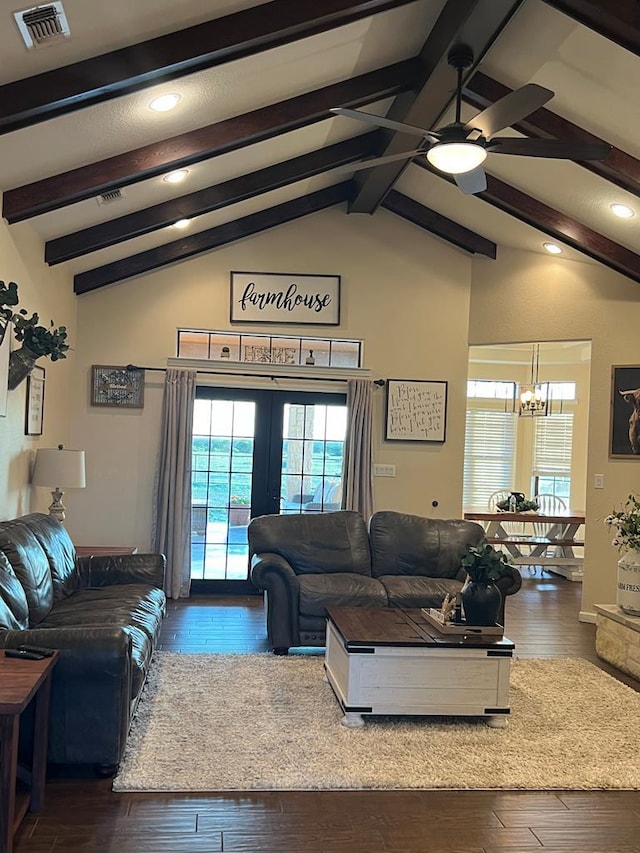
(20, 682)
(392, 661)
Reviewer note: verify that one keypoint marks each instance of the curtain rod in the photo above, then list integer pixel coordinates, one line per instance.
(251, 375)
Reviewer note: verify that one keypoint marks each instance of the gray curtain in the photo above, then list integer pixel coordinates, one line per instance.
(172, 499)
(357, 470)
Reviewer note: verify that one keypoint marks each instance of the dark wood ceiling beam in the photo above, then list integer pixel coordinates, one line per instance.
(213, 238)
(188, 148)
(100, 78)
(212, 198)
(555, 224)
(616, 20)
(619, 167)
(438, 224)
(476, 23)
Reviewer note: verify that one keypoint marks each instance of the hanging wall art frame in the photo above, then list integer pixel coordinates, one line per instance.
(416, 410)
(298, 298)
(34, 415)
(624, 430)
(120, 387)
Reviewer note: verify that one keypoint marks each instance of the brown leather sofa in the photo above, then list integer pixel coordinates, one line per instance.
(102, 612)
(306, 563)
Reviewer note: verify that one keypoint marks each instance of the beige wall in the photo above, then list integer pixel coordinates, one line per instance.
(49, 294)
(403, 292)
(525, 296)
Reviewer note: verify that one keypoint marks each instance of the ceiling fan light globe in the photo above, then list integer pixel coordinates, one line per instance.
(456, 158)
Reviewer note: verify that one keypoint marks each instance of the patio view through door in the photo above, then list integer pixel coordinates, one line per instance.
(258, 452)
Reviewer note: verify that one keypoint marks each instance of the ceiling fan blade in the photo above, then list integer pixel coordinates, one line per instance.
(509, 110)
(380, 161)
(380, 121)
(562, 149)
(472, 182)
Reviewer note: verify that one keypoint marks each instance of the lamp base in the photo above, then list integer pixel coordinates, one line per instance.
(57, 509)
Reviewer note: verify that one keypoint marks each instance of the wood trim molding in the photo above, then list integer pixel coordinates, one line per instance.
(100, 78)
(439, 225)
(152, 160)
(213, 238)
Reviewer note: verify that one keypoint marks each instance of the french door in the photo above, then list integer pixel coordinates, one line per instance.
(257, 453)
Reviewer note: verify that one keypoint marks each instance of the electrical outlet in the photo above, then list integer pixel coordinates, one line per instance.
(384, 470)
(598, 481)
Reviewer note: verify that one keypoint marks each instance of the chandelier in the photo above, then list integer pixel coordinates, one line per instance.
(533, 398)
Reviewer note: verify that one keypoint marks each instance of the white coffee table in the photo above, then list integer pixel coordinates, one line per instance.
(391, 661)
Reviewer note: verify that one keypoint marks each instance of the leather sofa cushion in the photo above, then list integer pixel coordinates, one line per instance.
(31, 566)
(418, 591)
(314, 543)
(404, 544)
(60, 551)
(317, 592)
(14, 610)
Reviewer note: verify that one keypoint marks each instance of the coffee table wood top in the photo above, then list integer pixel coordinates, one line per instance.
(391, 626)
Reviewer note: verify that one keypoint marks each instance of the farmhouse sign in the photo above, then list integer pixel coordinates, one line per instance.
(263, 297)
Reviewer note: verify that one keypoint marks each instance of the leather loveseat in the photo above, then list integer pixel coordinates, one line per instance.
(306, 563)
(102, 612)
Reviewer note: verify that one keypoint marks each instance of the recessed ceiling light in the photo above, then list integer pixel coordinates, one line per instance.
(552, 248)
(622, 211)
(176, 177)
(164, 102)
(182, 223)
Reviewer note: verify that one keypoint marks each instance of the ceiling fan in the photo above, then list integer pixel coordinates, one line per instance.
(460, 148)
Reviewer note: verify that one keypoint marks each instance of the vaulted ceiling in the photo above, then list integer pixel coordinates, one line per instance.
(83, 158)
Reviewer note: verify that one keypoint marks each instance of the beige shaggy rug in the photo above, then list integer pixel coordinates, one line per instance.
(256, 722)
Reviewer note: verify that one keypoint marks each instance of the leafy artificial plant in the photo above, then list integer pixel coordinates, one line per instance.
(8, 300)
(484, 564)
(40, 339)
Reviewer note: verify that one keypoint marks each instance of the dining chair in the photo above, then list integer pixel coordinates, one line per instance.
(548, 505)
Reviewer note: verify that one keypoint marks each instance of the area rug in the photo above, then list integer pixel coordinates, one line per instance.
(261, 722)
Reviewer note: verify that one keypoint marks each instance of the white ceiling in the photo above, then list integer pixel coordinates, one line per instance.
(595, 85)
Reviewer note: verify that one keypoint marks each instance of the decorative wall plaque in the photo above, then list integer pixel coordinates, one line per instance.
(117, 386)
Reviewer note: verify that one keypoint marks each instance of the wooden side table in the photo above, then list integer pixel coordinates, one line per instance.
(20, 682)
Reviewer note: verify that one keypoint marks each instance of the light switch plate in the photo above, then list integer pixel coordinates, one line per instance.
(384, 470)
(598, 481)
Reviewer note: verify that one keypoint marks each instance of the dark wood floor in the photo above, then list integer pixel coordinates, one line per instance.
(85, 815)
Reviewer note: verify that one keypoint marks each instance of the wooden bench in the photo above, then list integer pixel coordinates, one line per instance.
(568, 564)
(523, 539)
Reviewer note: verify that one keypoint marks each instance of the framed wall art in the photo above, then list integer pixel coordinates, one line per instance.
(34, 415)
(117, 386)
(265, 297)
(416, 410)
(624, 431)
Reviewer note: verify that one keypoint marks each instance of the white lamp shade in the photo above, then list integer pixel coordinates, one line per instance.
(59, 467)
(455, 158)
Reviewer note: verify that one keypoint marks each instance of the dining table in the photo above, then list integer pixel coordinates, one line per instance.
(551, 541)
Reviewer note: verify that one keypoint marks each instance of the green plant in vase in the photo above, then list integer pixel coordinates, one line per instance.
(481, 598)
(37, 341)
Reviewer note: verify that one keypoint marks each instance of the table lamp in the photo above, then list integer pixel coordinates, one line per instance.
(64, 469)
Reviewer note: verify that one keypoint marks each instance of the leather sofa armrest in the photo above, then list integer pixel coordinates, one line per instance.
(510, 582)
(273, 574)
(104, 570)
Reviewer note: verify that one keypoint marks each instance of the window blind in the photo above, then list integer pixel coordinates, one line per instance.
(490, 438)
(553, 445)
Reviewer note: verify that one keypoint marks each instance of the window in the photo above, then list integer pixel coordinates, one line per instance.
(553, 444)
(489, 458)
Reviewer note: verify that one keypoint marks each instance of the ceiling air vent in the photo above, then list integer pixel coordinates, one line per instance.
(110, 197)
(42, 26)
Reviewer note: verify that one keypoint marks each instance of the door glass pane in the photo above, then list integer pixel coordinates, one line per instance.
(222, 459)
(312, 456)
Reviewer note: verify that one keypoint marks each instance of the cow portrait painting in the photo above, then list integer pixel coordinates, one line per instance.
(625, 412)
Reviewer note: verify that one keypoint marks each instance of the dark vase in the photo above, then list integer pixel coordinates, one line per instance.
(481, 602)
(21, 363)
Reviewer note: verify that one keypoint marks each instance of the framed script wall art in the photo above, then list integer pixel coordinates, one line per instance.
(416, 410)
(34, 415)
(265, 297)
(117, 386)
(624, 433)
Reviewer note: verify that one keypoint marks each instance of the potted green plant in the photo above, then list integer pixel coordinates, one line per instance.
(239, 511)
(522, 505)
(8, 300)
(37, 341)
(481, 598)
